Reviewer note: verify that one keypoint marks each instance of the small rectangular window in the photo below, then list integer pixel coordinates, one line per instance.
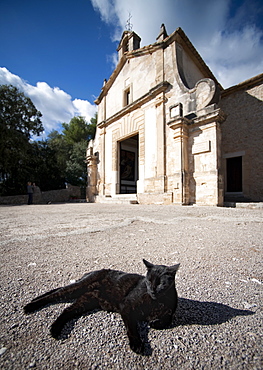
(127, 97)
(125, 46)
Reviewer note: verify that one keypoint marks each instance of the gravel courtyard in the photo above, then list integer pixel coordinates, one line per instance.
(219, 319)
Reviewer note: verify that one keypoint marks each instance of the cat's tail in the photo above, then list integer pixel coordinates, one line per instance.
(68, 293)
(39, 302)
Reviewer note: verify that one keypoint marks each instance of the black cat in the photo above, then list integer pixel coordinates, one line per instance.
(135, 297)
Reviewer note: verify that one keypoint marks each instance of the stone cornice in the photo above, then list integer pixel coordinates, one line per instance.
(152, 93)
(91, 158)
(244, 85)
(178, 122)
(216, 115)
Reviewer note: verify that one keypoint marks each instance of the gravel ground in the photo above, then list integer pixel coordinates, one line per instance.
(219, 319)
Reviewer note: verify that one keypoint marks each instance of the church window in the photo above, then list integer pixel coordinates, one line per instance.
(127, 97)
(125, 47)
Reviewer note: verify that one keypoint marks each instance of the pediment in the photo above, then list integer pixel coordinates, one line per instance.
(183, 45)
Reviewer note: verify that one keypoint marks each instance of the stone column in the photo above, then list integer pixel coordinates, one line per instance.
(102, 161)
(92, 172)
(115, 175)
(181, 182)
(141, 157)
(160, 180)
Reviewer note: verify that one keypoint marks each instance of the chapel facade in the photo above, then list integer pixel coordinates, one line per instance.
(167, 131)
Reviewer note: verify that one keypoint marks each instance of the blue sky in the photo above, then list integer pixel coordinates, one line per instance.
(59, 51)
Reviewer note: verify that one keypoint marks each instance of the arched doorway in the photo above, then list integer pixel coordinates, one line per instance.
(128, 165)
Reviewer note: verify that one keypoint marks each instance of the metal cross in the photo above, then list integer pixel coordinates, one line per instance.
(128, 23)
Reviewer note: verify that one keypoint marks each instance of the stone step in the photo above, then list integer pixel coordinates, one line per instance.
(237, 198)
(243, 205)
(118, 199)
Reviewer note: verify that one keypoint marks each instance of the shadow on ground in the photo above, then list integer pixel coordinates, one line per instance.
(189, 312)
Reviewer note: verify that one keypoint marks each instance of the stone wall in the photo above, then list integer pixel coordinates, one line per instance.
(242, 133)
(53, 196)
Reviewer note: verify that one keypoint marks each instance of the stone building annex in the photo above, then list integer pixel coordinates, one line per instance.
(168, 132)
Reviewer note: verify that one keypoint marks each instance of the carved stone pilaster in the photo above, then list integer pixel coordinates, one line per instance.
(92, 177)
(180, 127)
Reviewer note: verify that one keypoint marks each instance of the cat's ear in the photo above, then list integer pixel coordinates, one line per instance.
(149, 265)
(173, 269)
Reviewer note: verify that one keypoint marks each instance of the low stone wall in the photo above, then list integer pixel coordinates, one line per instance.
(155, 198)
(53, 196)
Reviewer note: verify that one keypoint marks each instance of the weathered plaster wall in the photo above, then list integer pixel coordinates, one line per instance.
(138, 74)
(204, 170)
(150, 143)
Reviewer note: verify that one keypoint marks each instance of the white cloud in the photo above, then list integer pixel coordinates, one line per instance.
(235, 57)
(84, 108)
(55, 104)
(106, 9)
(228, 39)
(112, 59)
(147, 16)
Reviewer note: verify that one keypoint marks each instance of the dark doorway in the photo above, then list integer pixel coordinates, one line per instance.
(234, 174)
(129, 165)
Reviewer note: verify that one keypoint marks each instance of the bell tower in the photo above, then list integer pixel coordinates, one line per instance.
(130, 41)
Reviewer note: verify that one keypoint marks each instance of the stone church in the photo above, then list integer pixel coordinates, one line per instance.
(168, 132)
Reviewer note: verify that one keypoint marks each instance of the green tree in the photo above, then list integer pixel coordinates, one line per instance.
(19, 119)
(78, 129)
(73, 143)
(93, 125)
(61, 149)
(47, 173)
(76, 168)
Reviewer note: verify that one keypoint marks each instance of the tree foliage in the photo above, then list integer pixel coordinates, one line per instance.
(76, 168)
(19, 119)
(78, 129)
(46, 171)
(71, 148)
(50, 163)
(18, 113)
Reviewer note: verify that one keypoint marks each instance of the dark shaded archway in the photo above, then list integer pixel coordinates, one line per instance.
(128, 165)
(234, 174)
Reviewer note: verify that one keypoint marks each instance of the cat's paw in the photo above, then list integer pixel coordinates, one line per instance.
(159, 325)
(137, 347)
(55, 330)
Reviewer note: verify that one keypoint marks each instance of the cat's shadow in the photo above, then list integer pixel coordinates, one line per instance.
(189, 312)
